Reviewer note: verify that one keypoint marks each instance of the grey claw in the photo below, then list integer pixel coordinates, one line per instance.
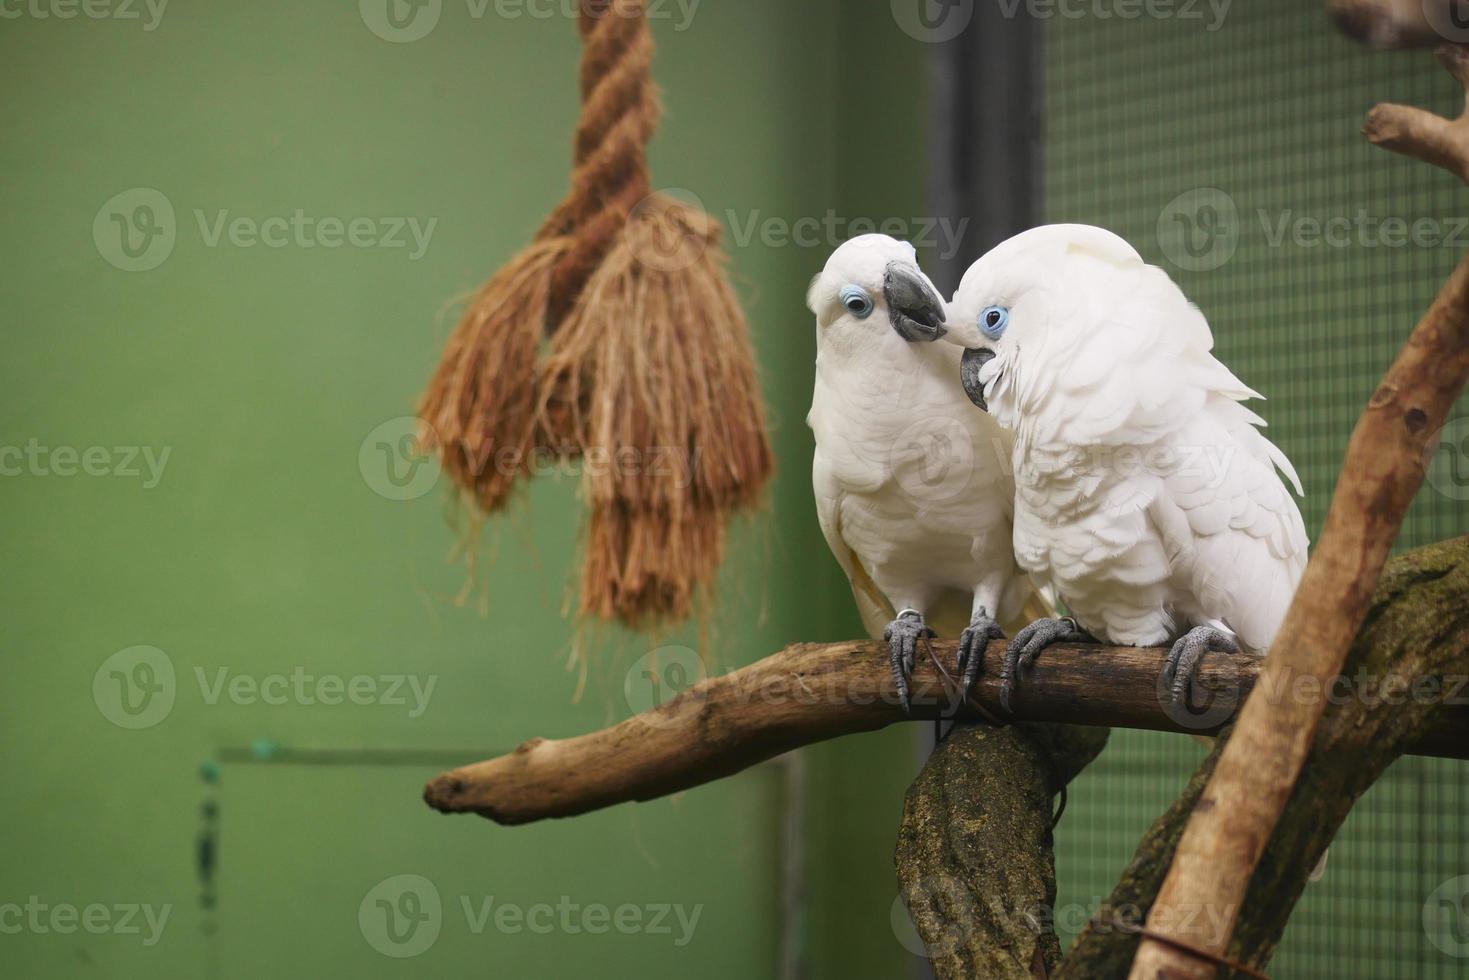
(972, 643)
(902, 636)
(1022, 652)
(1187, 653)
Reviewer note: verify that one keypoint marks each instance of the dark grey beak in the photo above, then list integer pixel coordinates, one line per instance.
(970, 364)
(916, 311)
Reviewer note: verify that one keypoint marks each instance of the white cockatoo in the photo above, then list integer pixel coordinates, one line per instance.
(912, 485)
(1146, 495)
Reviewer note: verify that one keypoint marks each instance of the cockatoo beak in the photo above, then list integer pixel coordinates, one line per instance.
(973, 361)
(916, 311)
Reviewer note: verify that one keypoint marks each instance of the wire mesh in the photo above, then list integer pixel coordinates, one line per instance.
(1231, 157)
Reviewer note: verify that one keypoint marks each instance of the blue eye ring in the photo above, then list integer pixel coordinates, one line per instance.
(857, 302)
(993, 320)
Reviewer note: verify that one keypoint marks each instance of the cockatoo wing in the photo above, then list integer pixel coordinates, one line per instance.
(872, 605)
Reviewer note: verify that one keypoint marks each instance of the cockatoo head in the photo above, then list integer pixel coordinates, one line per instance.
(872, 289)
(1027, 307)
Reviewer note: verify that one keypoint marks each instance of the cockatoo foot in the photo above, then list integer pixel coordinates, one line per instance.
(1028, 644)
(902, 636)
(1187, 654)
(972, 643)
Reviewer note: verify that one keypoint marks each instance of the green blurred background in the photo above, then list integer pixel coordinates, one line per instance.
(277, 378)
(284, 532)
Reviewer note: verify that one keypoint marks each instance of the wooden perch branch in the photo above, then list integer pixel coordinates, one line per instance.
(1232, 823)
(1418, 627)
(1422, 135)
(1394, 23)
(811, 692)
(975, 856)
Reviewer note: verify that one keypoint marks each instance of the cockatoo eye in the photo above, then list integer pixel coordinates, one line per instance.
(993, 320)
(857, 302)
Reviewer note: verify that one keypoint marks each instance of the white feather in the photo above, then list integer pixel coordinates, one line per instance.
(1146, 495)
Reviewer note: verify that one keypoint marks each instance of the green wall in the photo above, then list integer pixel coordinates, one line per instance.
(270, 543)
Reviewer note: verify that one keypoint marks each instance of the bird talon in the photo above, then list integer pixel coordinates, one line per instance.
(972, 644)
(1182, 667)
(1026, 648)
(902, 636)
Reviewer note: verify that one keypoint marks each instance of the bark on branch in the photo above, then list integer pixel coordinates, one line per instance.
(1396, 23)
(1418, 627)
(975, 856)
(811, 692)
(1258, 769)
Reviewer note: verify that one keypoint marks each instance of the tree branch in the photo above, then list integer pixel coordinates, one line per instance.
(1256, 772)
(811, 692)
(1393, 23)
(975, 856)
(1418, 628)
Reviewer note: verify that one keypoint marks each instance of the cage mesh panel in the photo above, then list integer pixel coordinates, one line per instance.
(1266, 110)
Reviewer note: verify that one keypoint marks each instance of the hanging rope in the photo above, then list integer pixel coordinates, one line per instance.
(650, 379)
